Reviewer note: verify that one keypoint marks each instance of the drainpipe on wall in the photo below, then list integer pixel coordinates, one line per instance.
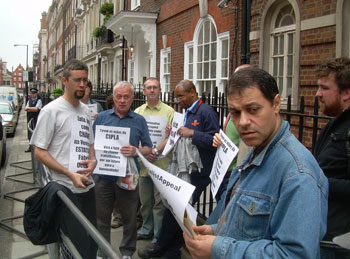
(125, 7)
(123, 60)
(246, 17)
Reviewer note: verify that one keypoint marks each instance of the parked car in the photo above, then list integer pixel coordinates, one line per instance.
(9, 93)
(2, 143)
(9, 118)
(15, 110)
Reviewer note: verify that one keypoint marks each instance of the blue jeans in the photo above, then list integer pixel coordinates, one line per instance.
(152, 208)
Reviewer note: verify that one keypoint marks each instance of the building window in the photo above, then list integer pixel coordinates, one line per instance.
(135, 4)
(282, 53)
(206, 58)
(131, 71)
(223, 68)
(165, 64)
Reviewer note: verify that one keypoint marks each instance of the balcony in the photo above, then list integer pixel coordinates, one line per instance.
(106, 36)
(72, 53)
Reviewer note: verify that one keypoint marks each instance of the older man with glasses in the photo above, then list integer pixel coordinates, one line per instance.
(107, 191)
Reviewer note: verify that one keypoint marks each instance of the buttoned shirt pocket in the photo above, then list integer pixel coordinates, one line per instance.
(253, 216)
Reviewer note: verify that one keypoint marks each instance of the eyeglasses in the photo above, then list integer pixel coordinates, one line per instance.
(78, 80)
(119, 97)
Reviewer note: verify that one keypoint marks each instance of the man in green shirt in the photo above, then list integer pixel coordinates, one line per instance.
(154, 111)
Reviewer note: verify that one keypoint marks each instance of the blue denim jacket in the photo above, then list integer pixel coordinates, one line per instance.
(279, 209)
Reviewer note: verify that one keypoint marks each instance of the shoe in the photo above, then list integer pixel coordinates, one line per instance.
(145, 253)
(143, 237)
(116, 224)
(126, 257)
(28, 150)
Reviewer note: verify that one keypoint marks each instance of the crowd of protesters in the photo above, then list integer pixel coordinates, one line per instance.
(280, 201)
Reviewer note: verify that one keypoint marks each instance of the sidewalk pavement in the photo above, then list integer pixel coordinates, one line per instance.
(13, 245)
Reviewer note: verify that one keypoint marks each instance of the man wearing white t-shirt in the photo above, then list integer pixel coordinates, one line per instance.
(63, 141)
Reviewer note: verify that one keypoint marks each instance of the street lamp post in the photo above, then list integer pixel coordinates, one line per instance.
(26, 87)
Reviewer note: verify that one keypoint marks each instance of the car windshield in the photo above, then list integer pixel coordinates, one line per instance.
(5, 108)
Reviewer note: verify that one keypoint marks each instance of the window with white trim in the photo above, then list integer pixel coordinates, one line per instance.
(282, 49)
(165, 65)
(223, 69)
(135, 4)
(131, 71)
(206, 57)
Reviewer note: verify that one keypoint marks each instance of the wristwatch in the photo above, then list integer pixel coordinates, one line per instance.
(156, 151)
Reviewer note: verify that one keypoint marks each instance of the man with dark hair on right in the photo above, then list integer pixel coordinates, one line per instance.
(275, 205)
(200, 124)
(332, 149)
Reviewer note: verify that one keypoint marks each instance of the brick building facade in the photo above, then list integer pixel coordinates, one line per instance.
(5, 74)
(17, 78)
(201, 40)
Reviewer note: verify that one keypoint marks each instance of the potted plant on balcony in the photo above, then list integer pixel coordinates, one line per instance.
(107, 10)
(97, 31)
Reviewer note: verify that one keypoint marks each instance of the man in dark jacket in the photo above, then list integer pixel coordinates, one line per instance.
(200, 124)
(332, 149)
(33, 108)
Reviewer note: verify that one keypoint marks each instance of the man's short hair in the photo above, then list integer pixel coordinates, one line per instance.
(123, 84)
(339, 67)
(187, 85)
(253, 77)
(151, 79)
(73, 64)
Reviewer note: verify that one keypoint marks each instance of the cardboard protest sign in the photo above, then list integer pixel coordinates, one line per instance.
(108, 141)
(225, 153)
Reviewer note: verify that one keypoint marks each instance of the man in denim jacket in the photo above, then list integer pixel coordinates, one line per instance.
(275, 205)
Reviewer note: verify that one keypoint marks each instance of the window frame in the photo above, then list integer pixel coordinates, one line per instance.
(201, 83)
(286, 31)
(163, 75)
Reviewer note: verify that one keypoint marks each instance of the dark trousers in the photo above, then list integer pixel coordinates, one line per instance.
(170, 239)
(72, 228)
(333, 252)
(201, 182)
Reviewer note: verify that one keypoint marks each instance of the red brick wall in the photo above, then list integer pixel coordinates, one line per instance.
(178, 19)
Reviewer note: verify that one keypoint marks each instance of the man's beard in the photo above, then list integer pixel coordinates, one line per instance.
(332, 110)
(78, 96)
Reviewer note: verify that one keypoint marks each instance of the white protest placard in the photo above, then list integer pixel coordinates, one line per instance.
(156, 127)
(175, 192)
(92, 110)
(80, 141)
(108, 141)
(173, 138)
(225, 153)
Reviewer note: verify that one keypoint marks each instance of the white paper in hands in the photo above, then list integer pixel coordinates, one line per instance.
(175, 192)
(225, 153)
(80, 141)
(173, 138)
(108, 141)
